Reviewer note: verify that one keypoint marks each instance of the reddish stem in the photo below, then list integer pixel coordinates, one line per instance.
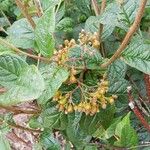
(147, 84)
(137, 111)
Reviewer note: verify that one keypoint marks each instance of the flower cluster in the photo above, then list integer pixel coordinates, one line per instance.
(91, 39)
(60, 56)
(89, 105)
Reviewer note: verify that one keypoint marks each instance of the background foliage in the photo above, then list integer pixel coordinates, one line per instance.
(26, 79)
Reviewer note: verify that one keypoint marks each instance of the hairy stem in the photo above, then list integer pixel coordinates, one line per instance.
(95, 7)
(18, 111)
(147, 84)
(11, 46)
(38, 7)
(25, 13)
(137, 111)
(129, 34)
(103, 5)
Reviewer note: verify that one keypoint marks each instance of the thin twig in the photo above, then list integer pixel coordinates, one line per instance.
(147, 85)
(15, 138)
(103, 5)
(39, 7)
(18, 111)
(25, 13)
(6, 18)
(95, 7)
(129, 34)
(3, 30)
(2, 90)
(24, 128)
(58, 6)
(20, 127)
(11, 46)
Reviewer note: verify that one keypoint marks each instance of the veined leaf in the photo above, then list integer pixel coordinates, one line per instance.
(46, 4)
(120, 15)
(137, 55)
(92, 25)
(50, 118)
(22, 82)
(44, 33)
(127, 135)
(48, 141)
(85, 56)
(4, 143)
(11, 67)
(116, 74)
(117, 70)
(21, 34)
(115, 15)
(54, 76)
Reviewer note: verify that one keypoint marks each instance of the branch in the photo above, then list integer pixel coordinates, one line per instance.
(24, 128)
(39, 7)
(129, 34)
(95, 7)
(136, 110)
(18, 111)
(103, 5)
(3, 90)
(25, 13)
(147, 85)
(20, 127)
(11, 46)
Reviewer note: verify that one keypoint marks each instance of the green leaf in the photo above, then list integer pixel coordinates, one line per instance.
(89, 124)
(5, 50)
(20, 34)
(22, 82)
(52, 119)
(91, 147)
(84, 6)
(103, 134)
(120, 15)
(54, 76)
(117, 70)
(64, 24)
(46, 4)
(74, 133)
(116, 74)
(11, 67)
(125, 132)
(125, 120)
(128, 137)
(85, 56)
(4, 143)
(137, 55)
(48, 141)
(92, 25)
(44, 33)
